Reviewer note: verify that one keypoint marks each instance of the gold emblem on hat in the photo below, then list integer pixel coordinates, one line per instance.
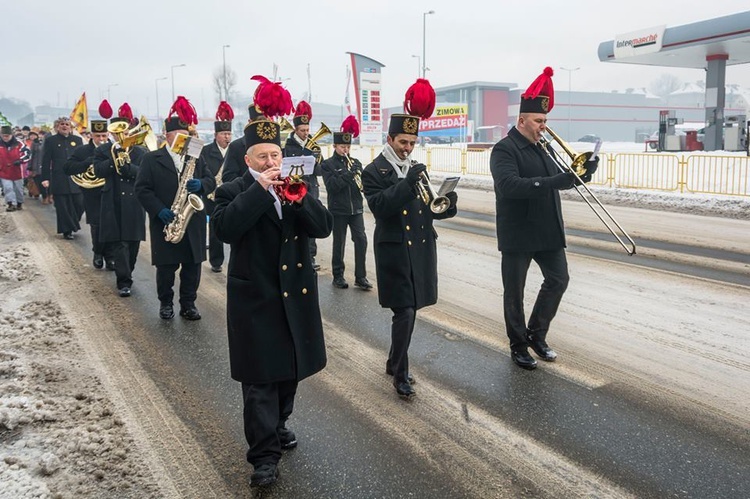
(304, 119)
(266, 131)
(411, 125)
(347, 137)
(545, 104)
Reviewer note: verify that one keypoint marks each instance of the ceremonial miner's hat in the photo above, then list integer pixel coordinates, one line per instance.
(540, 96)
(124, 113)
(275, 101)
(186, 115)
(105, 111)
(254, 112)
(302, 114)
(224, 117)
(419, 102)
(349, 130)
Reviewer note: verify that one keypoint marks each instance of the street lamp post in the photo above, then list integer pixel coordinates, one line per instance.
(224, 58)
(156, 87)
(424, 40)
(419, 64)
(172, 69)
(108, 92)
(570, 73)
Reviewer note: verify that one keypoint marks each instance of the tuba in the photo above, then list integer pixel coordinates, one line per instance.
(185, 204)
(126, 138)
(87, 179)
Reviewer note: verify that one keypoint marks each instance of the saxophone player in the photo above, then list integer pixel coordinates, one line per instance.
(158, 183)
(212, 158)
(342, 176)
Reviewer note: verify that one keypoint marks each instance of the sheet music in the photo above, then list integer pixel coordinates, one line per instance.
(449, 185)
(297, 165)
(596, 149)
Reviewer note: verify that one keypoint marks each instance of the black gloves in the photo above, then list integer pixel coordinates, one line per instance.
(453, 196)
(591, 167)
(412, 176)
(562, 180)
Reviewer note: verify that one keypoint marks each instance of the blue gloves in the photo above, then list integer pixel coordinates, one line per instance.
(166, 215)
(194, 185)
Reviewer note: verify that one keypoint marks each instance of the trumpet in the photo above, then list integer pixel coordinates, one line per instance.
(437, 204)
(357, 175)
(294, 188)
(577, 168)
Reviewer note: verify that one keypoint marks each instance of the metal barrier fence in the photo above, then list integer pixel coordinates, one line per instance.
(697, 173)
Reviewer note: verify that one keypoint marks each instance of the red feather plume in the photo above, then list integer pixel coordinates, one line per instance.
(224, 112)
(542, 86)
(272, 98)
(184, 110)
(303, 109)
(420, 99)
(125, 112)
(105, 110)
(350, 125)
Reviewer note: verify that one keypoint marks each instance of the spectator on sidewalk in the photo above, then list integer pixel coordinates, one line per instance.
(13, 158)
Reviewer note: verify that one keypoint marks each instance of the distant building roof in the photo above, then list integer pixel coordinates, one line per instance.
(481, 84)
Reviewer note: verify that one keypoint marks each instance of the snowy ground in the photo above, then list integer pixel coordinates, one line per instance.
(60, 435)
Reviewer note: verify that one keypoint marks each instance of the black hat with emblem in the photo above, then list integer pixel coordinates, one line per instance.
(349, 131)
(419, 102)
(186, 115)
(254, 112)
(540, 96)
(262, 132)
(302, 114)
(224, 117)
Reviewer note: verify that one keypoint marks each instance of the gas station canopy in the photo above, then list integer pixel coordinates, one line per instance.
(690, 45)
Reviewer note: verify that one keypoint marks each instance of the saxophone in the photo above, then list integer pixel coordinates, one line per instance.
(212, 195)
(184, 205)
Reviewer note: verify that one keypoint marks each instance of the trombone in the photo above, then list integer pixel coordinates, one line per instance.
(577, 168)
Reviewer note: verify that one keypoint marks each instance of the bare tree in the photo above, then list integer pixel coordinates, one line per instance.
(665, 85)
(224, 83)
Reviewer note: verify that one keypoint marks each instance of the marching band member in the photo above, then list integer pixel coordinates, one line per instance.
(212, 158)
(68, 198)
(405, 241)
(343, 179)
(79, 162)
(158, 182)
(273, 315)
(530, 224)
(297, 145)
(123, 221)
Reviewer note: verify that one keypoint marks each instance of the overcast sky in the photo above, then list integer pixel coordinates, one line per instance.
(54, 49)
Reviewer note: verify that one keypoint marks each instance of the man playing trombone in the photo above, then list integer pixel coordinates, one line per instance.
(529, 222)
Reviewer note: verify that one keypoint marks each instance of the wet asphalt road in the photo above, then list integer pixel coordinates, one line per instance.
(641, 445)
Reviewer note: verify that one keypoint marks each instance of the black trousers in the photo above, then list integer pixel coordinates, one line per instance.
(515, 267)
(402, 328)
(69, 209)
(125, 253)
(313, 189)
(98, 247)
(215, 248)
(266, 408)
(190, 279)
(357, 225)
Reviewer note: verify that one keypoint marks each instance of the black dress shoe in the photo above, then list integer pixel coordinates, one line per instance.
(216, 269)
(68, 236)
(98, 261)
(363, 283)
(541, 348)
(125, 292)
(409, 376)
(340, 283)
(405, 390)
(110, 265)
(166, 311)
(287, 438)
(264, 475)
(522, 359)
(190, 313)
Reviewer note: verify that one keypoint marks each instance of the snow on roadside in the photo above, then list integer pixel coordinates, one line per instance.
(60, 436)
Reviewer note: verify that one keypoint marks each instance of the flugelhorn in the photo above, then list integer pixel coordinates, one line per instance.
(437, 204)
(357, 175)
(578, 168)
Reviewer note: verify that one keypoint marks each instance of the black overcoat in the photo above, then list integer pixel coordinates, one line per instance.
(156, 187)
(404, 238)
(79, 162)
(211, 160)
(344, 196)
(528, 211)
(122, 216)
(234, 161)
(273, 313)
(56, 151)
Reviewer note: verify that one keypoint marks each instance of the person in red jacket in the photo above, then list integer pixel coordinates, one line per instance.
(13, 158)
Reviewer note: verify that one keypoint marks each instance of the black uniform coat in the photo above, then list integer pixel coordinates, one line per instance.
(292, 149)
(273, 313)
(344, 197)
(79, 162)
(122, 216)
(405, 241)
(156, 187)
(234, 161)
(57, 149)
(211, 160)
(528, 212)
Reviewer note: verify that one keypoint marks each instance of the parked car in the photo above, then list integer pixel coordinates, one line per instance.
(590, 138)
